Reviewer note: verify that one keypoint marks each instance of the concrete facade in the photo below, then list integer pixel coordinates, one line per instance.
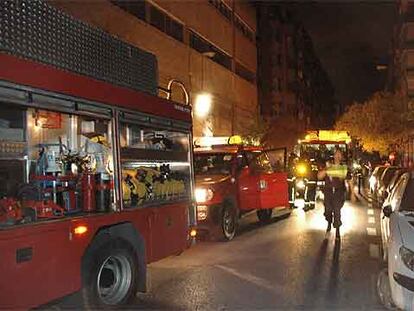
(209, 45)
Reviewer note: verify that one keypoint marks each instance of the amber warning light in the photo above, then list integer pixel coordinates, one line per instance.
(80, 230)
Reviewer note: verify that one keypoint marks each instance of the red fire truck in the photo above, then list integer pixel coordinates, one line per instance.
(95, 170)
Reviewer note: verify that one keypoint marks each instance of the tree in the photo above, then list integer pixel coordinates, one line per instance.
(254, 132)
(379, 123)
(284, 131)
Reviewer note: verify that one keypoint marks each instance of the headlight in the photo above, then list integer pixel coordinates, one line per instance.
(407, 257)
(203, 195)
(202, 211)
(301, 169)
(300, 184)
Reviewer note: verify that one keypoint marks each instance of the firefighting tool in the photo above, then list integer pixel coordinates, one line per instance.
(44, 208)
(10, 211)
(88, 191)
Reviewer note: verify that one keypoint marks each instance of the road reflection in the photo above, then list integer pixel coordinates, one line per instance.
(314, 220)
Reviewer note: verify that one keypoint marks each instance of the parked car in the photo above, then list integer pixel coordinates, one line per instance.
(385, 232)
(396, 176)
(374, 178)
(383, 183)
(397, 230)
(232, 180)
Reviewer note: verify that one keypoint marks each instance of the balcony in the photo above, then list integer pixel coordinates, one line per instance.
(410, 80)
(408, 32)
(408, 58)
(409, 15)
(409, 45)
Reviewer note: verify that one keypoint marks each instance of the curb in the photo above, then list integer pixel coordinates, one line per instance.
(384, 290)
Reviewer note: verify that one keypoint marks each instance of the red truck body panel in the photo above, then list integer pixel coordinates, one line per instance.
(55, 267)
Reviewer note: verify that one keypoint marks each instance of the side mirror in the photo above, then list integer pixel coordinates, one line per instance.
(387, 210)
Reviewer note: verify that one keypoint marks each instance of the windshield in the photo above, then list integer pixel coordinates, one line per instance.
(378, 171)
(321, 152)
(407, 202)
(388, 174)
(212, 164)
(394, 180)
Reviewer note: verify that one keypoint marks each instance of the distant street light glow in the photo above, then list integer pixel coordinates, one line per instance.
(202, 105)
(381, 67)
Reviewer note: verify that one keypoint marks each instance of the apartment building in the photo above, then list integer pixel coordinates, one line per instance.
(208, 45)
(401, 70)
(292, 81)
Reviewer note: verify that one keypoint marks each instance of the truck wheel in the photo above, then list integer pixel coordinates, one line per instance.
(113, 277)
(229, 222)
(264, 215)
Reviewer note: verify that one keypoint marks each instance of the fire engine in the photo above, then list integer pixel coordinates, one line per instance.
(232, 180)
(96, 173)
(311, 153)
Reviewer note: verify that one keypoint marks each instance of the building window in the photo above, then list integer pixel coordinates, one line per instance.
(166, 24)
(198, 44)
(134, 7)
(245, 73)
(227, 13)
(157, 18)
(222, 8)
(243, 28)
(279, 59)
(203, 46)
(276, 109)
(174, 29)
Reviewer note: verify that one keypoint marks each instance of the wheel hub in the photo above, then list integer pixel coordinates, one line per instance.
(114, 279)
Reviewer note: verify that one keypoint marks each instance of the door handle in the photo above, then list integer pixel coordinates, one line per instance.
(262, 185)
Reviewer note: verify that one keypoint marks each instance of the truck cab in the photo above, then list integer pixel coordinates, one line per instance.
(233, 180)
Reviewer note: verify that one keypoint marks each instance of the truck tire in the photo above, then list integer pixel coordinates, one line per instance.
(113, 276)
(229, 222)
(264, 215)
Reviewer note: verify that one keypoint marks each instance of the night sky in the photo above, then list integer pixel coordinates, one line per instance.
(350, 39)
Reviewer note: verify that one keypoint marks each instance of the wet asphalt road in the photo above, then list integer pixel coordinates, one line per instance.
(287, 264)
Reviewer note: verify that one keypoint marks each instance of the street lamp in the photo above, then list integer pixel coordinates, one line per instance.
(202, 105)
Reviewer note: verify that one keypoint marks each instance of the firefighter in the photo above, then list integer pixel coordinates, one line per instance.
(334, 191)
